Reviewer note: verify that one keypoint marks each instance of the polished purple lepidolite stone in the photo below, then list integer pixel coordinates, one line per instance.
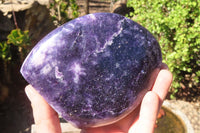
(95, 69)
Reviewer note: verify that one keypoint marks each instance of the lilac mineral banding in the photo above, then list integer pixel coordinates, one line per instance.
(94, 70)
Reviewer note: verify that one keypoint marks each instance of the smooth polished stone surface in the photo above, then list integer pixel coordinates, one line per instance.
(95, 69)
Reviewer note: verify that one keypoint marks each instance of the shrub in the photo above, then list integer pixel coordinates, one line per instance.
(176, 25)
(63, 11)
(18, 38)
(13, 52)
(21, 39)
(5, 54)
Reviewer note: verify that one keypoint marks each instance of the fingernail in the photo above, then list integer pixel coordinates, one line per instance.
(29, 92)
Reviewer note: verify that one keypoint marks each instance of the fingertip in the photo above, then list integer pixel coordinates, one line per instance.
(163, 83)
(34, 96)
(29, 92)
(46, 119)
(166, 73)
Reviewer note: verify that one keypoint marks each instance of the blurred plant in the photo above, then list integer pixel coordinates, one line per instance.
(16, 39)
(176, 25)
(20, 39)
(63, 11)
(74, 8)
(5, 51)
(13, 50)
(5, 56)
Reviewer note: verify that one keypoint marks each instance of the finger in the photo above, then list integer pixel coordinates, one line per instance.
(160, 88)
(162, 83)
(46, 119)
(148, 114)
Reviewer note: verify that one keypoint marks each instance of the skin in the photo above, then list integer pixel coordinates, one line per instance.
(141, 120)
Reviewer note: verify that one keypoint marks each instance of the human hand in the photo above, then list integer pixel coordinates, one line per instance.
(141, 120)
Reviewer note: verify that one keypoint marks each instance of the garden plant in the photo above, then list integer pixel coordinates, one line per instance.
(176, 25)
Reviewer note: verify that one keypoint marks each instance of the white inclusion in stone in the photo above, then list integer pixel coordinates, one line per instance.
(66, 30)
(106, 53)
(77, 70)
(92, 16)
(124, 73)
(71, 25)
(46, 69)
(59, 75)
(109, 42)
(117, 65)
(94, 63)
(143, 72)
(39, 58)
(110, 77)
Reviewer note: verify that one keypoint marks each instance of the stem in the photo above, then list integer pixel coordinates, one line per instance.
(111, 5)
(59, 17)
(14, 17)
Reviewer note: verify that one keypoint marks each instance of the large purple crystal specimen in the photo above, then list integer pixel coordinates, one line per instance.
(95, 69)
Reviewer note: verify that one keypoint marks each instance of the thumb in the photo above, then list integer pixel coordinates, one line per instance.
(46, 119)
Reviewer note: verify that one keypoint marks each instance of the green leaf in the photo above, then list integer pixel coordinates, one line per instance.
(5, 53)
(19, 38)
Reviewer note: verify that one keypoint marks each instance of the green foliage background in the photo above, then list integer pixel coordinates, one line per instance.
(176, 25)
